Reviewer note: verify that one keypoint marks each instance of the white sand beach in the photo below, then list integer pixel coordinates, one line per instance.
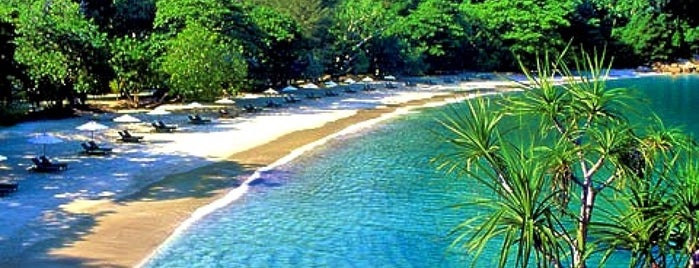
(115, 210)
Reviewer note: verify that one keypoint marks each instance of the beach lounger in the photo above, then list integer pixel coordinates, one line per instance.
(46, 165)
(249, 108)
(223, 113)
(391, 85)
(368, 87)
(272, 104)
(198, 120)
(93, 149)
(291, 99)
(8, 187)
(312, 96)
(93, 145)
(125, 136)
(331, 93)
(161, 127)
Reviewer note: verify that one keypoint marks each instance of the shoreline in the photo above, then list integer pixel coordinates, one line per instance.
(125, 231)
(128, 231)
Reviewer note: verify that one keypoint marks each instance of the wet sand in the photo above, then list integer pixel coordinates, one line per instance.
(121, 233)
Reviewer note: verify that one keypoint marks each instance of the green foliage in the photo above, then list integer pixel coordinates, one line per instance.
(202, 64)
(656, 30)
(174, 15)
(11, 114)
(357, 27)
(431, 31)
(273, 48)
(133, 17)
(62, 49)
(131, 60)
(307, 14)
(525, 27)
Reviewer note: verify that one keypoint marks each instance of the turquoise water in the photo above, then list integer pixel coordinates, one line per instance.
(370, 199)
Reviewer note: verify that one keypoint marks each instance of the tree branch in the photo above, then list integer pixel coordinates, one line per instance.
(606, 182)
(595, 167)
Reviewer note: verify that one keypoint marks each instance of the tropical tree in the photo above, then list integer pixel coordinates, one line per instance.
(273, 44)
(307, 14)
(65, 54)
(132, 60)
(581, 144)
(520, 27)
(133, 17)
(433, 33)
(202, 64)
(12, 75)
(655, 30)
(357, 28)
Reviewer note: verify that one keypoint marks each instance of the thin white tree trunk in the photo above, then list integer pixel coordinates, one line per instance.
(588, 201)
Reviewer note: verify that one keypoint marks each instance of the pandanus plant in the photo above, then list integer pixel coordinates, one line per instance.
(578, 144)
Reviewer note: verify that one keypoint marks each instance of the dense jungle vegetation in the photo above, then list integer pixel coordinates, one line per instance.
(57, 52)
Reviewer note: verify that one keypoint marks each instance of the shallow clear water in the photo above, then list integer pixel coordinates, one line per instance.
(371, 199)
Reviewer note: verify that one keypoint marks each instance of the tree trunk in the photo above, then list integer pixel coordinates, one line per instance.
(588, 201)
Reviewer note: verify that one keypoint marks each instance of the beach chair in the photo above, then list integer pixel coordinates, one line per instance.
(161, 127)
(273, 104)
(43, 164)
(198, 120)
(93, 149)
(331, 93)
(391, 85)
(312, 96)
(368, 87)
(223, 113)
(8, 187)
(125, 136)
(95, 146)
(291, 99)
(249, 108)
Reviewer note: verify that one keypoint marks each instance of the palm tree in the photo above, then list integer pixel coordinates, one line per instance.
(584, 144)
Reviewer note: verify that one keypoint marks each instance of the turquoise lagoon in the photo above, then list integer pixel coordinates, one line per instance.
(369, 199)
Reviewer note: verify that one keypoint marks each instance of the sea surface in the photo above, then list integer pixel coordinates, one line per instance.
(372, 199)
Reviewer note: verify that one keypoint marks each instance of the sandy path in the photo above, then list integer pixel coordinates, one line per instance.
(124, 232)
